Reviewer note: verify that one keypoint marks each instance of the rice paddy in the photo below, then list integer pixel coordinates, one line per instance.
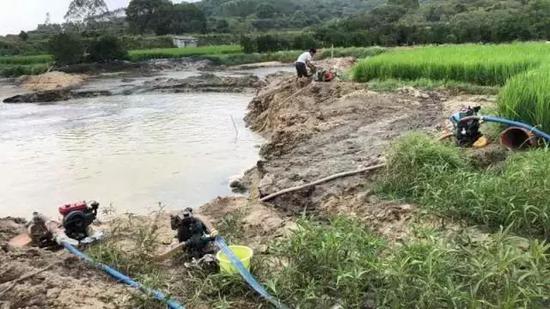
(25, 60)
(526, 97)
(478, 64)
(164, 53)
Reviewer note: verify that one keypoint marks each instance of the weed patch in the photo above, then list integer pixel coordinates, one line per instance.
(443, 180)
(343, 264)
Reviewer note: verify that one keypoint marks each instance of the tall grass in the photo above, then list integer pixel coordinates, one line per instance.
(343, 264)
(159, 53)
(443, 180)
(526, 97)
(478, 64)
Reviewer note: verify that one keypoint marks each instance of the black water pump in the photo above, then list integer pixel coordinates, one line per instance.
(77, 218)
(192, 231)
(466, 130)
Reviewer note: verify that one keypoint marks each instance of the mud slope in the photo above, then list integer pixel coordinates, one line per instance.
(67, 283)
(326, 128)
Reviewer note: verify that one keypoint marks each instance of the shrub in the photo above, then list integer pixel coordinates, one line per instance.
(526, 97)
(106, 49)
(67, 48)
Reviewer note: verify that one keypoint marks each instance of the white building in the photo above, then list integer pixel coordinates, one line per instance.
(185, 41)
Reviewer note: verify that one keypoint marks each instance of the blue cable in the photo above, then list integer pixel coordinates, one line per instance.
(123, 278)
(247, 276)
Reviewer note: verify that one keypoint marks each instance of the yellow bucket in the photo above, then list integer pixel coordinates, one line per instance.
(241, 252)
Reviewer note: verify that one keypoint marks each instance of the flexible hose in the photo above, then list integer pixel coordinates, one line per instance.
(247, 276)
(512, 123)
(123, 278)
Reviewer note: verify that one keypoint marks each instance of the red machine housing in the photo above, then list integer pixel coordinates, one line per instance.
(68, 208)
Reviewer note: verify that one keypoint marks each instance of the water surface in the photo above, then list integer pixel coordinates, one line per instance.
(128, 151)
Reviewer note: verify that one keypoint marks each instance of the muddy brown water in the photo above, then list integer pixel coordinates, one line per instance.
(131, 152)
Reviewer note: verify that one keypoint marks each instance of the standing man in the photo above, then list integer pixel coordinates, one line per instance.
(304, 62)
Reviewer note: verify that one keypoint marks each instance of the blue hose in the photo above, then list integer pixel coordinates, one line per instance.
(123, 278)
(247, 276)
(511, 123)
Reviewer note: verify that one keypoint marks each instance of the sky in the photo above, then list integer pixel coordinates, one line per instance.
(17, 15)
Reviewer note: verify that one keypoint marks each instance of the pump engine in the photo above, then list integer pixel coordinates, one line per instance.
(77, 218)
(466, 131)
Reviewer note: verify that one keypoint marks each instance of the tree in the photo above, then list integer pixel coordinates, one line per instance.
(23, 36)
(107, 49)
(183, 18)
(81, 10)
(66, 48)
(265, 10)
(144, 15)
(409, 4)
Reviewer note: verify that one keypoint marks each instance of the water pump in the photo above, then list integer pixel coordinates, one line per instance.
(194, 232)
(466, 131)
(77, 218)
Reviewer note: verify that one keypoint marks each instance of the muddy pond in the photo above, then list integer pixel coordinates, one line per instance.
(130, 152)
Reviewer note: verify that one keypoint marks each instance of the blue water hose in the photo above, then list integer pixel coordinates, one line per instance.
(247, 276)
(123, 278)
(511, 123)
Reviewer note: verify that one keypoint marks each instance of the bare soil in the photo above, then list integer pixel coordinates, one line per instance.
(51, 81)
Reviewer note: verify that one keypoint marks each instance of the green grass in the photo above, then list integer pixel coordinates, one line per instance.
(342, 263)
(291, 56)
(356, 52)
(160, 53)
(526, 97)
(472, 63)
(444, 181)
(18, 70)
(12, 66)
(25, 60)
(390, 85)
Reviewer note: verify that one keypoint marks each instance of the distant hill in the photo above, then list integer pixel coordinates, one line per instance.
(318, 8)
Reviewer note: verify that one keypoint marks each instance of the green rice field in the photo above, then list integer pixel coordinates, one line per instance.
(160, 53)
(472, 63)
(526, 97)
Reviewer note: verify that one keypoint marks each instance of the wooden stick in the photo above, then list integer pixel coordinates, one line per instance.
(323, 180)
(170, 252)
(25, 277)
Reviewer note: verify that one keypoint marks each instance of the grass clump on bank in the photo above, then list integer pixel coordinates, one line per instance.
(162, 53)
(343, 264)
(526, 97)
(441, 178)
(478, 64)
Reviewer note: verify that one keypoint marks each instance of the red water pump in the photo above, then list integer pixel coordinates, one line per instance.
(77, 217)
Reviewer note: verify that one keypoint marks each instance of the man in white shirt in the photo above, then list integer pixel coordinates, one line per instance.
(305, 61)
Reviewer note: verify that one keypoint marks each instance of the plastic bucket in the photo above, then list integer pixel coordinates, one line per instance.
(243, 253)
